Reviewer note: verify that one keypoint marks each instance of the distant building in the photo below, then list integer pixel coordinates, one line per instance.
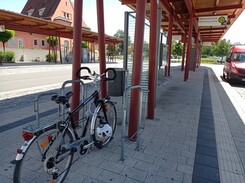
(59, 11)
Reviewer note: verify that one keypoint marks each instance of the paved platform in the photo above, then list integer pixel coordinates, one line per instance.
(197, 136)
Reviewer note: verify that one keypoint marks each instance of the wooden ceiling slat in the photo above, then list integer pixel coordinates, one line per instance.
(217, 8)
(39, 26)
(181, 10)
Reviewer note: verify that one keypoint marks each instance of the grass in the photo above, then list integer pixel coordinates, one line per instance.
(209, 61)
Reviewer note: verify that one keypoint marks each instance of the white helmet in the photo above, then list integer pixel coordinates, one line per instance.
(103, 132)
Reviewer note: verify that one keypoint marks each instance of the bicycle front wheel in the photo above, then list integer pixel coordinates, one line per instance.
(105, 121)
(44, 159)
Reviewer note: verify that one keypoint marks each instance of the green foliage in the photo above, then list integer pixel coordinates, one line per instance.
(51, 58)
(111, 49)
(5, 36)
(145, 50)
(52, 41)
(221, 48)
(7, 56)
(119, 34)
(177, 48)
(218, 49)
(207, 51)
(209, 60)
(84, 44)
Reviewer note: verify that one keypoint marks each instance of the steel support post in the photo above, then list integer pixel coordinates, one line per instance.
(77, 39)
(196, 53)
(170, 26)
(152, 59)
(183, 53)
(188, 49)
(101, 40)
(137, 68)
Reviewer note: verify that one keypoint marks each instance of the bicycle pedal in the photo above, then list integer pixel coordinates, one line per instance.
(82, 150)
(98, 144)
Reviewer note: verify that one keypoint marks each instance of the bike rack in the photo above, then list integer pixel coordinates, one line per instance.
(141, 125)
(62, 92)
(36, 106)
(61, 109)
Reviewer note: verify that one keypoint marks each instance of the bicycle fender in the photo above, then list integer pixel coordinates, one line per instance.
(24, 148)
(96, 111)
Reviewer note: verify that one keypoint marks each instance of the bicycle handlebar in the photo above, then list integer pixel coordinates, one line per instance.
(114, 74)
(102, 76)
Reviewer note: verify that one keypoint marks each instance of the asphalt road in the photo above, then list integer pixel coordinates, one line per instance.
(21, 83)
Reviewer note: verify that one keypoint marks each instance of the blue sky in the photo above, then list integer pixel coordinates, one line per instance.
(113, 23)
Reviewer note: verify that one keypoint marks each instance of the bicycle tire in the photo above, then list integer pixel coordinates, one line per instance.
(100, 119)
(33, 167)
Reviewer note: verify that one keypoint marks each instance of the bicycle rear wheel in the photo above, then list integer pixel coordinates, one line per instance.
(100, 122)
(41, 162)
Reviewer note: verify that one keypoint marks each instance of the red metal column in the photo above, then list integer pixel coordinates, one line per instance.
(60, 50)
(77, 39)
(152, 59)
(101, 34)
(196, 53)
(183, 52)
(170, 26)
(188, 49)
(137, 67)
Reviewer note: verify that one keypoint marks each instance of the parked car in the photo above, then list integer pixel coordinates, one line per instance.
(234, 66)
(221, 59)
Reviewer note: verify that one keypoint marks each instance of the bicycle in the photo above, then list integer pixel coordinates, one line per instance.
(47, 153)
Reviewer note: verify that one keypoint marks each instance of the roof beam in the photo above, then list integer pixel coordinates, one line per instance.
(124, 2)
(164, 4)
(189, 6)
(217, 2)
(212, 28)
(230, 7)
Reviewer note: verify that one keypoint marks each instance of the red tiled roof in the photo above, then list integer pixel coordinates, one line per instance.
(49, 5)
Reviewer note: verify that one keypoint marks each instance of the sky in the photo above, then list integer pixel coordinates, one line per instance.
(114, 17)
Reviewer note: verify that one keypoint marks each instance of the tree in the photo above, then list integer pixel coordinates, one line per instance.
(207, 51)
(5, 36)
(145, 50)
(120, 34)
(111, 50)
(53, 42)
(84, 44)
(177, 48)
(221, 48)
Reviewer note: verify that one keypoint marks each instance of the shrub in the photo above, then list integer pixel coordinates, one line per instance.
(7, 56)
(208, 61)
(51, 58)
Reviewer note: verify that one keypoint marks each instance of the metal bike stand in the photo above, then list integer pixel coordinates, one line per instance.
(125, 111)
(36, 106)
(62, 92)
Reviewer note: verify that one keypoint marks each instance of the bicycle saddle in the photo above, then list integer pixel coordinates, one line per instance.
(62, 99)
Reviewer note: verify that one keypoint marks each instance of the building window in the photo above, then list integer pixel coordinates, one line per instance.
(41, 11)
(11, 42)
(20, 43)
(43, 43)
(67, 15)
(30, 12)
(35, 43)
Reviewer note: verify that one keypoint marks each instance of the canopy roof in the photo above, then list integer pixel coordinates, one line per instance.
(30, 24)
(181, 10)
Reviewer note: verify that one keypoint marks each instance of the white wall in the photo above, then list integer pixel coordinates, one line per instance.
(30, 54)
